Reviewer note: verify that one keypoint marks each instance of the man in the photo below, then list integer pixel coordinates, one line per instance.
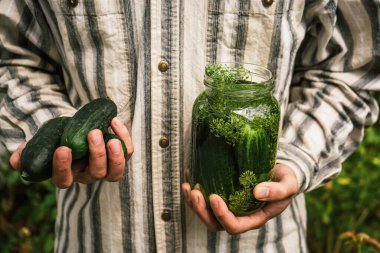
(149, 57)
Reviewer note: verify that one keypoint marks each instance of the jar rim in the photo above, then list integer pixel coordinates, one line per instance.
(261, 78)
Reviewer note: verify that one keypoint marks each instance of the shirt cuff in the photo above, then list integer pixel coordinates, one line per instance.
(298, 161)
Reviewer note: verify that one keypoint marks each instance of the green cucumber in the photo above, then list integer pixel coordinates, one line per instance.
(215, 169)
(37, 156)
(97, 114)
(253, 151)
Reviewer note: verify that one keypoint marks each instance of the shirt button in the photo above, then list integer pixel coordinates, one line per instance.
(166, 215)
(163, 66)
(267, 3)
(73, 3)
(164, 142)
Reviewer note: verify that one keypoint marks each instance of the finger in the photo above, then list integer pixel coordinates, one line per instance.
(97, 164)
(116, 161)
(286, 186)
(236, 225)
(225, 217)
(186, 189)
(61, 174)
(14, 159)
(122, 131)
(200, 208)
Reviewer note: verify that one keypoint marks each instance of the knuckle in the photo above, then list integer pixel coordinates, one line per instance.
(117, 163)
(98, 174)
(60, 170)
(99, 154)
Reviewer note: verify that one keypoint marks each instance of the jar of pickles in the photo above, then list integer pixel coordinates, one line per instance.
(235, 128)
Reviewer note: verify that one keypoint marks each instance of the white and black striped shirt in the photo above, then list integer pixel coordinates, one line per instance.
(56, 55)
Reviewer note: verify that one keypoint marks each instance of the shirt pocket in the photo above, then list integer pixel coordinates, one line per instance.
(245, 30)
(83, 7)
(93, 41)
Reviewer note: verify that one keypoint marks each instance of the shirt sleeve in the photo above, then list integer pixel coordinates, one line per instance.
(330, 102)
(30, 73)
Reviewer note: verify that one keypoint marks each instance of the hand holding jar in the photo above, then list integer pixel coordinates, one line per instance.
(234, 144)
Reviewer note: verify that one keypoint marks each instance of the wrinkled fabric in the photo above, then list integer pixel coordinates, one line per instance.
(55, 57)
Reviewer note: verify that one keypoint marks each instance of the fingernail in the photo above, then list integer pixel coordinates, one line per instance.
(115, 147)
(95, 138)
(214, 203)
(63, 155)
(262, 193)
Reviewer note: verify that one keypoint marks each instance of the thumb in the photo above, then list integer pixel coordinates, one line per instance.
(14, 159)
(285, 185)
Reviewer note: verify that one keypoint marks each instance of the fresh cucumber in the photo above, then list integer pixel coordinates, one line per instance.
(37, 156)
(97, 114)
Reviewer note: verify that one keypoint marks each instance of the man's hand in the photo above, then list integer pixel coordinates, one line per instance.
(104, 162)
(277, 194)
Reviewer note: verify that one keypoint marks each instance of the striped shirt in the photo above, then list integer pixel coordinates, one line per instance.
(55, 56)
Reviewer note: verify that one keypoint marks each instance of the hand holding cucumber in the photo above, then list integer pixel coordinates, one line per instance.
(105, 161)
(78, 149)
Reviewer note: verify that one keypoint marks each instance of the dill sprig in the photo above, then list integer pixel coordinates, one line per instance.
(224, 76)
(241, 201)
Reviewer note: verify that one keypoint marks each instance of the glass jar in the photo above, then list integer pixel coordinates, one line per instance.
(234, 134)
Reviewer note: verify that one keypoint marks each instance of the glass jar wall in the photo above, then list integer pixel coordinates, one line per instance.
(234, 134)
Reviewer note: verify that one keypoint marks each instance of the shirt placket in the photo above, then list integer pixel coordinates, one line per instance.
(165, 95)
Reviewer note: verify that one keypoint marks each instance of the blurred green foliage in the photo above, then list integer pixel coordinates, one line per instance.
(343, 216)
(27, 212)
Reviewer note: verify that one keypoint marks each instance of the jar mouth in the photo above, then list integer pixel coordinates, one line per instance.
(239, 78)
